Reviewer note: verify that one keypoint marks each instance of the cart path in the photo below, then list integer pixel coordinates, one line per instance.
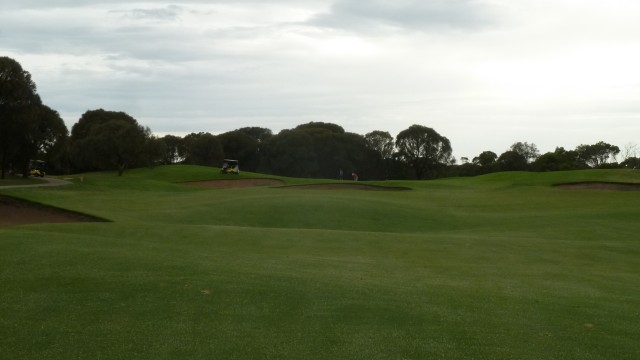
(49, 182)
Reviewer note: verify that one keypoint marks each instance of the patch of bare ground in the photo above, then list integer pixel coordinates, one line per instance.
(602, 186)
(343, 186)
(236, 183)
(20, 212)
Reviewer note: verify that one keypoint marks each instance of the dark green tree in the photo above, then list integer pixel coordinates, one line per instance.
(560, 159)
(174, 149)
(258, 133)
(238, 145)
(44, 132)
(381, 142)
(154, 150)
(598, 154)
(424, 150)
(108, 140)
(203, 149)
(486, 161)
(511, 161)
(528, 151)
(18, 97)
(631, 163)
(291, 153)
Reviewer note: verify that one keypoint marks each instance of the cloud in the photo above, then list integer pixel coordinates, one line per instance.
(422, 15)
(169, 13)
(499, 70)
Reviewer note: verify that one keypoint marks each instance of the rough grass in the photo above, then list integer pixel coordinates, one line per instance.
(502, 266)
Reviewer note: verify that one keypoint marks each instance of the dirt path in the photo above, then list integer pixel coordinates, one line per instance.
(49, 182)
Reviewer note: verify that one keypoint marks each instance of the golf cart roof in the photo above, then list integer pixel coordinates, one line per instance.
(229, 160)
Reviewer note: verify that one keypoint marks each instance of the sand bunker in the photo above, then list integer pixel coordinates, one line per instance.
(606, 186)
(237, 183)
(20, 212)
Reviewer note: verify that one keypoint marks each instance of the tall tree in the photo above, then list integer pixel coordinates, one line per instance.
(597, 154)
(511, 161)
(18, 96)
(108, 140)
(203, 149)
(528, 151)
(238, 145)
(291, 153)
(174, 149)
(423, 149)
(258, 133)
(381, 142)
(560, 159)
(486, 159)
(44, 131)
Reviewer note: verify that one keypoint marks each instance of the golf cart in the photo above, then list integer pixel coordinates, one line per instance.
(36, 168)
(230, 167)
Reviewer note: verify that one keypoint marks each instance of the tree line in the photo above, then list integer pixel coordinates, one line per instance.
(112, 140)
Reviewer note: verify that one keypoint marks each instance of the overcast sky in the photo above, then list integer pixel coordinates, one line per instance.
(483, 73)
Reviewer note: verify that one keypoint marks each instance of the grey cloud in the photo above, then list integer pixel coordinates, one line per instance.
(44, 4)
(409, 14)
(168, 13)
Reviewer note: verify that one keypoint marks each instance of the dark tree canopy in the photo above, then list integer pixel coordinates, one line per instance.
(202, 149)
(597, 154)
(321, 126)
(258, 133)
(107, 140)
(560, 159)
(291, 153)
(318, 150)
(424, 150)
(486, 159)
(238, 145)
(381, 142)
(44, 131)
(174, 149)
(27, 128)
(528, 151)
(511, 161)
(631, 163)
(16, 86)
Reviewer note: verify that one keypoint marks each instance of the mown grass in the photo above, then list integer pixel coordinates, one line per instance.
(502, 266)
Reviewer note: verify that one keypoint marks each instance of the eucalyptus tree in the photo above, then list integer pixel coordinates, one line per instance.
(108, 140)
(381, 142)
(597, 154)
(528, 150)
(27, 127)
(424, 149)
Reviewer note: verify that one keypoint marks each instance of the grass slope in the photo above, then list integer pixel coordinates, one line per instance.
(502, 266)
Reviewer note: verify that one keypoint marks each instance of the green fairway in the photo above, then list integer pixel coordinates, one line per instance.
(502, 266)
